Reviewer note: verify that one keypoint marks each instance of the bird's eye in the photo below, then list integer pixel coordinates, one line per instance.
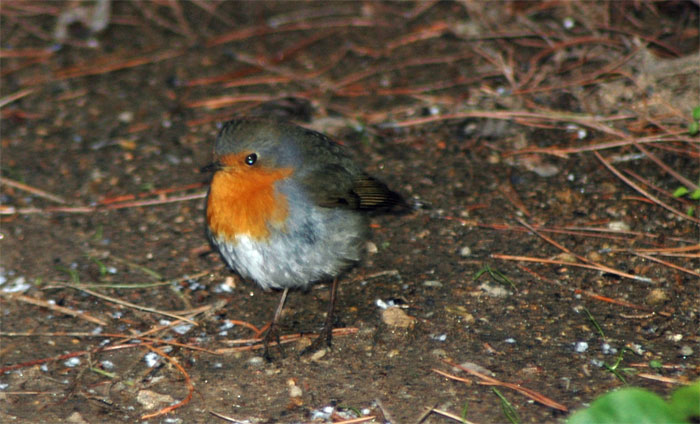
(251, 159)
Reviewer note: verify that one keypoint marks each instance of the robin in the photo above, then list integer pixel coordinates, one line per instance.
(287, 208)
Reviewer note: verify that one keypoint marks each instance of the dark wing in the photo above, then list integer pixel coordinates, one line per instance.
(333, 186)
(375, 195)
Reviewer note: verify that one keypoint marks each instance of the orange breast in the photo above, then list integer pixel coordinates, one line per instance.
(243, 201)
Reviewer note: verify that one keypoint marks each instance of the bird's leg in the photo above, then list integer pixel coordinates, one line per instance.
(326, 335)
(327, 332)
(272, 331)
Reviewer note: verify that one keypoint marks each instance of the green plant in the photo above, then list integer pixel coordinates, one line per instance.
(640, 406)
(694, 195)
(496, 275)
(694, 125)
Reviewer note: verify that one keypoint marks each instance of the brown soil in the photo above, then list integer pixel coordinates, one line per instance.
(136, 114)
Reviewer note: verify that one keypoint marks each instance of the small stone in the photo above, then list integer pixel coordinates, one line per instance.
(675, 337)
(76, 418)
(686, 350)
(371, 248)
(462, 312)
(256, 361)
(392, 353)
(439, 353)
(316, 356)
(72, 362)
(151, 400)
(494, 290)
(439, 337)
(595, 256)
(657, 297)
(432, 283)
(545, 170)
(618, 226)
(566, 257)
(465, 251)
(636, 348)
(294, 390)
(396, 317)
(607, 349)
(126, 117)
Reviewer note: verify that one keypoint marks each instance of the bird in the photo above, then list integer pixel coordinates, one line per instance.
(288, 207)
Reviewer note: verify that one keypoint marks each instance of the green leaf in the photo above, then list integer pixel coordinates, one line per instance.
(685, 403)
(655, 364)
(680, 192)
(693, 128)
(696, 113)
(630, 405)
(695, 195)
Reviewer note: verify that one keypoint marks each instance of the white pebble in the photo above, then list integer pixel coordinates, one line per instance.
(72, 362)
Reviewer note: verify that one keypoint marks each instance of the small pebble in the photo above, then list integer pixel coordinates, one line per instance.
(18, 285)
(439, 337)
(150, 399)
(126, 117)
(597, 362)
(72, 362)
(256, 361)
(465, 251)
(657, 297)
(566, 257)
(581, 347)
(152, 359)
(381, 304)
(294, 390)
(607, 349)
(316, 356)
(182, 328)
(636, 348)
(372, 248)
(595, 256)
(494, 290)
(76, 418)
(686, 350)
(675, 337)
(396, 317)
(432, 283)
(618, 226)
(439, 353)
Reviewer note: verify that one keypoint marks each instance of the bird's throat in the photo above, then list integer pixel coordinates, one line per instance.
(245, 202)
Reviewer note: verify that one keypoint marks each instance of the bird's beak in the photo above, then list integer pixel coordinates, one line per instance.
(212, 167)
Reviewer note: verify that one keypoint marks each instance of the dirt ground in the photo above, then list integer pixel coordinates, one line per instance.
(520, 128)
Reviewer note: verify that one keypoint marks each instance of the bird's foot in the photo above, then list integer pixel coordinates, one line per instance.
(323, 341)
(272, 338)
